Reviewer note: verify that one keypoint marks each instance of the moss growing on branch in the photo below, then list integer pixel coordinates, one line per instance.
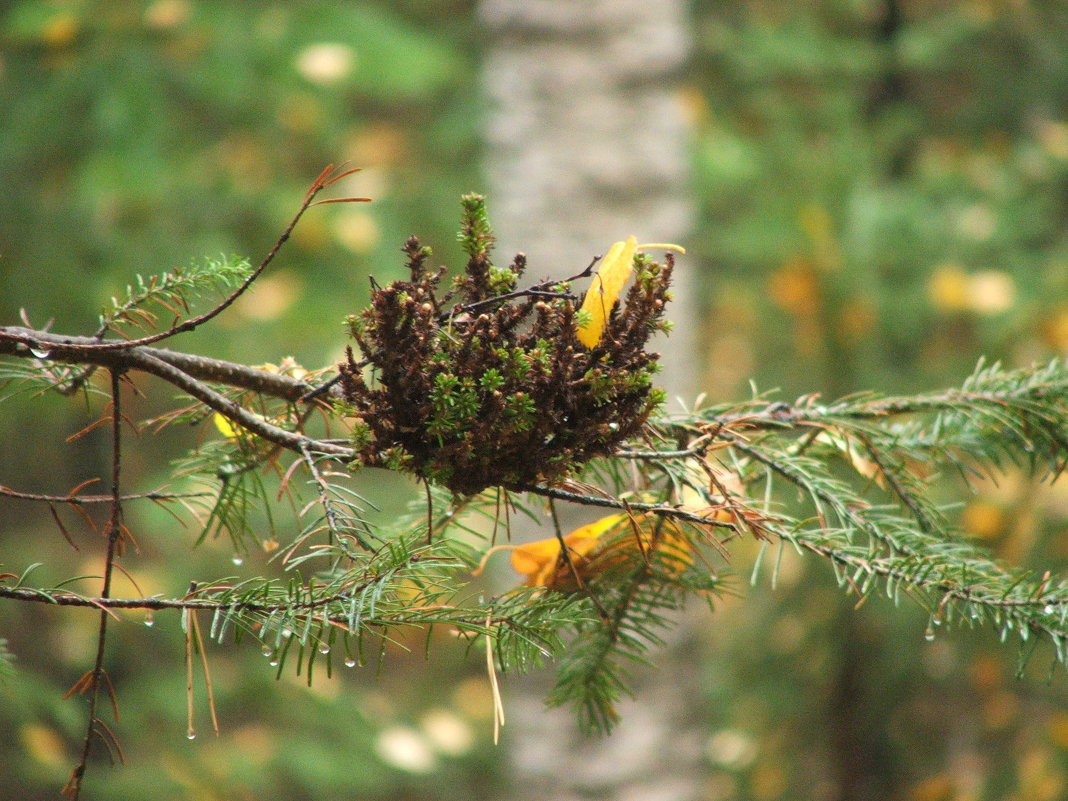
(485, 385)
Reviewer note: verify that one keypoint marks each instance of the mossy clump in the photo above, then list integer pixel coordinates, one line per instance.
(486, 384)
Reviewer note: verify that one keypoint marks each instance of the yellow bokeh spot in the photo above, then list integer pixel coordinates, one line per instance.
(60, 30)
(313, 234)
(244, 159)
(43, 744)
(301, 112)
(694, 105)
(857, 318)
(991, 292)
(406, 749)
(326, 62)
(986, 674)
(795, 288)
(270, 296)
(1058, 729)
(934, 788)
(977, 222)
(256, 743)
(447, 732)
(379, 144)
(1000, 709)
(473, 698)
(983, 519)
(1053, 136)
(767, 781)
(356, 230)
(1054, 331)
(165, 14)
(947, 288)
(952, 289)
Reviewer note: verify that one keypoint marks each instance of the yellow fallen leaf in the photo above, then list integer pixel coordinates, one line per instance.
(611, 277)
(673, 548)
(591, 553)
(540, 561)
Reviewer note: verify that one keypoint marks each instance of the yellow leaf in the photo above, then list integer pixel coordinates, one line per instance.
(611, 277)
(604, 291)
(853, 453)
(540, 561)
(590, 553)
(629, 547)
(226, 428)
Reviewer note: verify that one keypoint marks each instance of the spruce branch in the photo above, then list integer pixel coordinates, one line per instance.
(484, 392)
(170, 291)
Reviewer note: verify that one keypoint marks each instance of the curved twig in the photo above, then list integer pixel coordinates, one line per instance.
(325, 179)
(69, 349)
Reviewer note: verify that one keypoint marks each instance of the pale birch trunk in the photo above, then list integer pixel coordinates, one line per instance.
(587, 143)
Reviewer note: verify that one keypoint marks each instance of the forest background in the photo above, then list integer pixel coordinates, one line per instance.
(881, 193)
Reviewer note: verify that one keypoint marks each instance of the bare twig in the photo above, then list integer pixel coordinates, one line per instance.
(331, 514)
(660, 509)
(69, 350)
(79, 500)
(325, 179)
(114, 535)
(149, 363)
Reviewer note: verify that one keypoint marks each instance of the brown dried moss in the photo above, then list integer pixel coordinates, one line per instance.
(486, 385)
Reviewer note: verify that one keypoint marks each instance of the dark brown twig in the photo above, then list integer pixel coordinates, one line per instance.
(114, 534)
(149, 363)
(70, 350)
(79, 500)
(325, 179)
(569, 563)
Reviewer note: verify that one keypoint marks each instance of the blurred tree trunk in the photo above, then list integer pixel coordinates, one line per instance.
(586, 144)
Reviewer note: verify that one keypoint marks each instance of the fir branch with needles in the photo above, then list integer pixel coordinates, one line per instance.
(168, 292)
(480, 387)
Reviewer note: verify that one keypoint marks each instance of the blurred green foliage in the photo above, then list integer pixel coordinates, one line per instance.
(142, 135)
(883, 195)
(882, 191)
